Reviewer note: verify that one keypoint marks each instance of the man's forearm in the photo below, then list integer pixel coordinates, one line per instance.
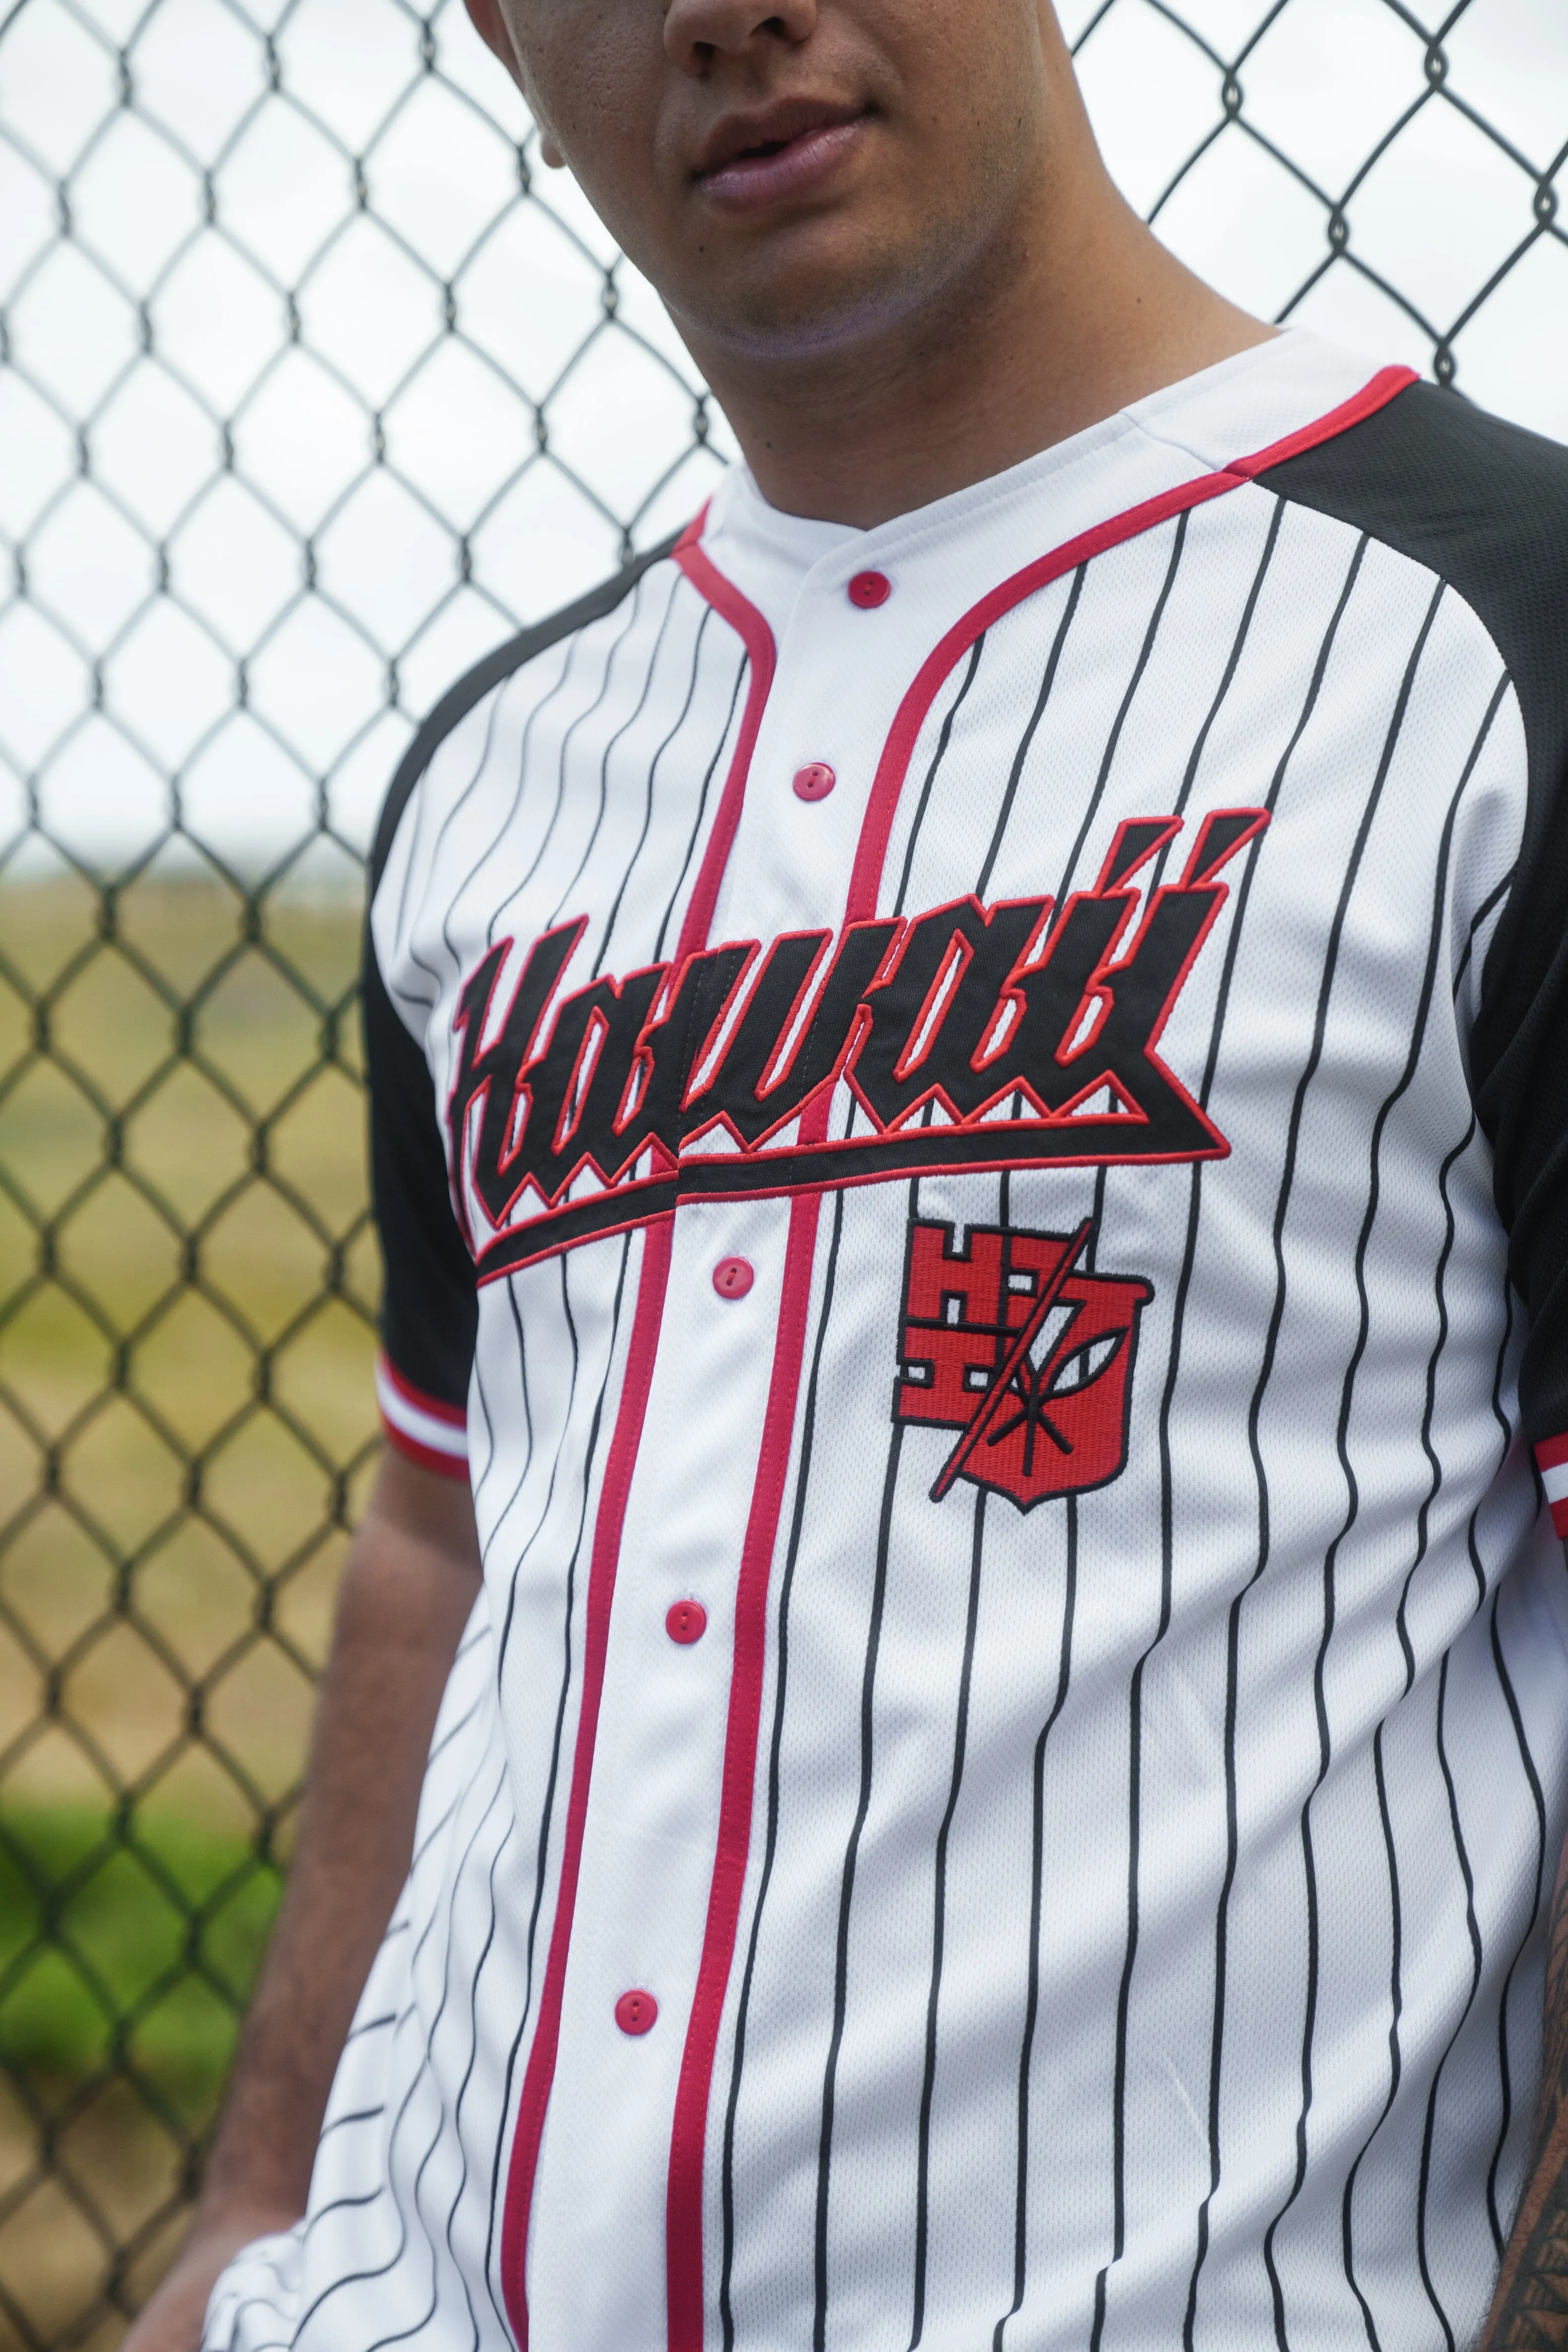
(407, 1592)
(1531, 2307)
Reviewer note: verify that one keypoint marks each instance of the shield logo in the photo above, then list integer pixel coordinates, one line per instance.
(1028, 1358)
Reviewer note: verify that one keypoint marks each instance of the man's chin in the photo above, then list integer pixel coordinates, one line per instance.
(798, 308)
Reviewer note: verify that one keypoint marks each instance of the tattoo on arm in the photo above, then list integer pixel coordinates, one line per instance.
(1530, 2312)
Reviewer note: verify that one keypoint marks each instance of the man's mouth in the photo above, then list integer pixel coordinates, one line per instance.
(754, 159)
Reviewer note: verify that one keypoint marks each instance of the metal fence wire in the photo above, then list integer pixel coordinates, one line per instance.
(313, 386)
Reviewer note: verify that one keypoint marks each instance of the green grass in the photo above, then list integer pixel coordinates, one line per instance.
(188, 1291)
(188, 1284)
(140, 1953)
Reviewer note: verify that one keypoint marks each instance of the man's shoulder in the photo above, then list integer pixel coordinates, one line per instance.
(1481, 503)
(503, 662)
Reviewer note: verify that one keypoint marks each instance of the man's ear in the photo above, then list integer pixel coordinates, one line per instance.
(487, 22)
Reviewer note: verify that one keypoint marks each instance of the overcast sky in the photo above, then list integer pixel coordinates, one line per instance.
(313, 331)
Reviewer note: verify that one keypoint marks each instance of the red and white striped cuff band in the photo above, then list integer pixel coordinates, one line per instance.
(434, 1434)
(1552, 1460)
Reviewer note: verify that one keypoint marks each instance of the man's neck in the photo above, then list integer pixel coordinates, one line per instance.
(1090, 312)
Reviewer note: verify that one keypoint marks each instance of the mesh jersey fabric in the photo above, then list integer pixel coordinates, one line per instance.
(1090, 1870)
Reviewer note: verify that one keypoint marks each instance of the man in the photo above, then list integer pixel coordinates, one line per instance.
(990, 1028)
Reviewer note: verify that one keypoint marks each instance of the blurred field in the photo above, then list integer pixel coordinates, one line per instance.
(187, 1285)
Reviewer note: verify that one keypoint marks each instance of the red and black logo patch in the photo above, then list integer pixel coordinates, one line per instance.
(1006, 1341)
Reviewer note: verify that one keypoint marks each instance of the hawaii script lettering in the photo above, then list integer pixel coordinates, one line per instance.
(967, 1037)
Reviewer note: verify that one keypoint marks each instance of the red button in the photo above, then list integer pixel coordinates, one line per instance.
(815, 782)
(733, 1277)
(636, 2012)
(869, 589)
(687, 1622)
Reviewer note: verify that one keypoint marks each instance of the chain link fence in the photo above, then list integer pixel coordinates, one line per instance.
(313, 386)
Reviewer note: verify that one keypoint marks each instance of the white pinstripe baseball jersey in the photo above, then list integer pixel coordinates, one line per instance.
(1002, 1079)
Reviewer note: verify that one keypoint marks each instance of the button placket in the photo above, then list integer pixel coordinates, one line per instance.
(734, 1277)
(636, 2012)
(814, 781)
(686, 1622)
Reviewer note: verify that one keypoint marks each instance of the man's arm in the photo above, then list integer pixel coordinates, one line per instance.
(1529, 2309)
(409, 1583)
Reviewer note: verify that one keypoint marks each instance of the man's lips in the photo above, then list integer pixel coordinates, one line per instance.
(754, 160)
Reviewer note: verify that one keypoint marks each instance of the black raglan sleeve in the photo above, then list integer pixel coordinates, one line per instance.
(1519, 1056)
(429, 1313)
(1485, 506)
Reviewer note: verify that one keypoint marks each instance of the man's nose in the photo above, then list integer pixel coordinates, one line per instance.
(697, 31)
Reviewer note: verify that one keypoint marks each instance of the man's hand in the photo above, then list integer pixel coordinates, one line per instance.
(408, 1587)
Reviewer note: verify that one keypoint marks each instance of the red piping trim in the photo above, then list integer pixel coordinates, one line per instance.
(1551, 1453)
(641, 1356)
(539, 2073)
(1374, 395)
(685, 2282)
(758, 639)
(683, 2220)
(455, 1416)
(448, 1466)
(684, 2279)
(689, 2133)
(888, 784)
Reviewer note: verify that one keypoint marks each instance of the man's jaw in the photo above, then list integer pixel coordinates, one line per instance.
(758, 158)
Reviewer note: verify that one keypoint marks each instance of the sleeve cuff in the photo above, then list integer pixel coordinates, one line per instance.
(1552, 1460)
(434, 1434)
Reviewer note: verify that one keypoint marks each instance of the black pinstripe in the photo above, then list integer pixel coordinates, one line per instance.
(847, 1896)
(742, 2010)
(406, 996)
(1396, 1989)
(1228, 679)
(581, 719)
(472, 688)
(1461, 1855)
(1493, 899)
(479, 1482)
(359, 2115)
(1417, 1042)
(385, 2186)
(726, 2182)
(1538, 1798)
(1048, 680)
(480, 1966)
(1036, 1888)
(939, 1919)
(637, 847)
(1331, 960)
(438, 2126)
(1178, 544)
(1167, 1545)
(1233, 1622)
(503, 1642)
(741, 674)
(1474, 1934)
(541, 1850)
(944, 738)
(536, 712)
(623, 729)
(377, 2025)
